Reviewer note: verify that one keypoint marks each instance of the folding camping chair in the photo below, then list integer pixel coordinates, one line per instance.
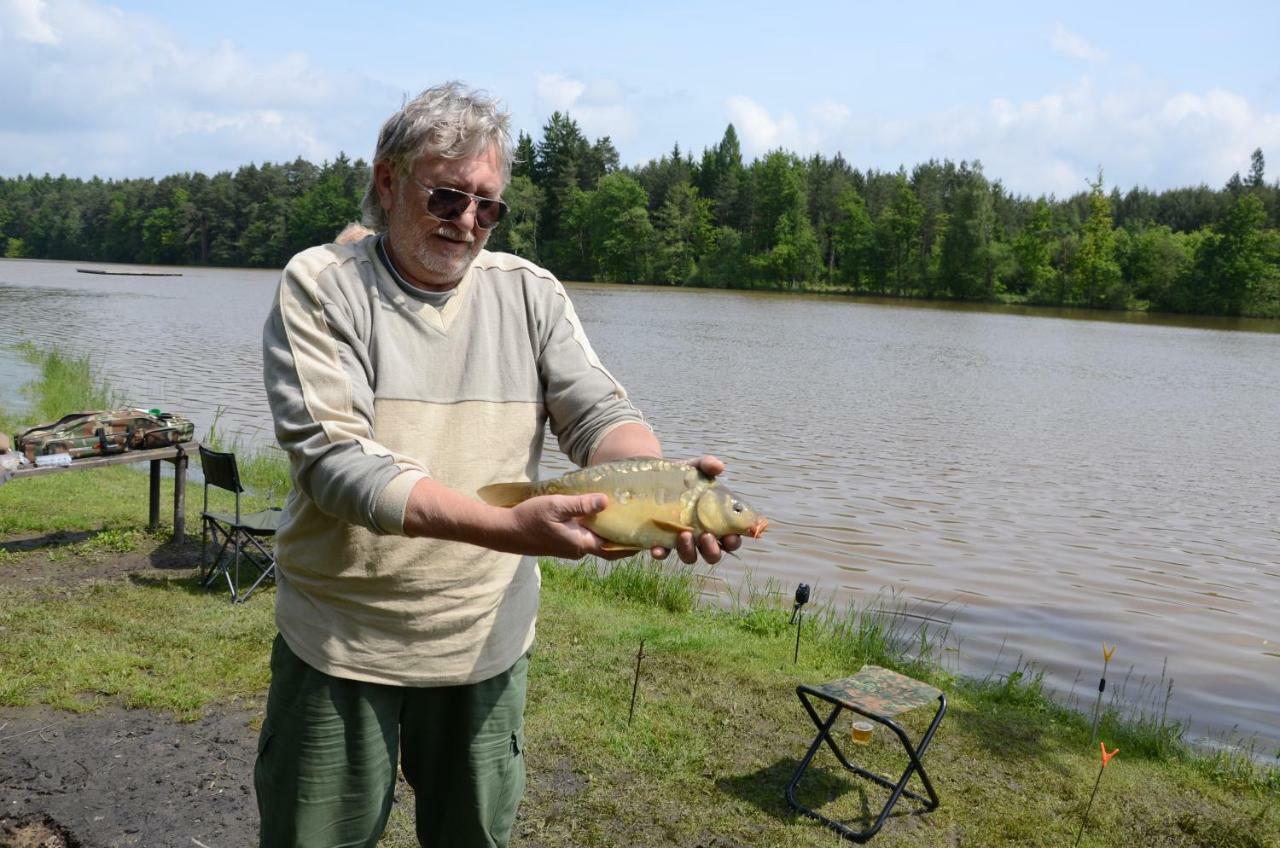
(878, 694)
(236, 536)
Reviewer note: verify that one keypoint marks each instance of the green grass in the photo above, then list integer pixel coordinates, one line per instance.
(264, 470)
(140, 642)
(639, 578)
(717, 729)
(716, 733)
(66, 384)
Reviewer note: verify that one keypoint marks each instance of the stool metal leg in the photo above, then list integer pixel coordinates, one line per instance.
(824, 728)
(897, 790)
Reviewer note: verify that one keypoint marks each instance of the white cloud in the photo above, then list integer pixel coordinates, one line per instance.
(117, 95)
(1150, 137)
(599, 107)
(759, 131)
(830, 113)
(26, 17)
(1139, 134)
(558, 91)
(1067, 43)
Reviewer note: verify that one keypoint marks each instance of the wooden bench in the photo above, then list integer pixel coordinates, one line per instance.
(177, 454)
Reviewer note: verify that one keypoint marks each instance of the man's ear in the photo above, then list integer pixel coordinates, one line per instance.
(384, 180)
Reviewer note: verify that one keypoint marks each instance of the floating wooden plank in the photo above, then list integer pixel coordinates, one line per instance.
(130, 273)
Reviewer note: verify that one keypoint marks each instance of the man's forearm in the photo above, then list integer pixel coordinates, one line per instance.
(549, 525)
(436, 511)
(626, 441)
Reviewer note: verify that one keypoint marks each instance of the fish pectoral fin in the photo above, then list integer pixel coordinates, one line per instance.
(610, 547)
(670, 526)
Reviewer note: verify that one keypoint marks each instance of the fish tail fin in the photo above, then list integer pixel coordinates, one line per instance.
(505, 494)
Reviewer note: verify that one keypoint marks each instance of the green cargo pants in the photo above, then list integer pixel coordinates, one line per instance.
(326, 768)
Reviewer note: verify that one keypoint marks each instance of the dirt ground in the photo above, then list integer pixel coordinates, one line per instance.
(117, 777)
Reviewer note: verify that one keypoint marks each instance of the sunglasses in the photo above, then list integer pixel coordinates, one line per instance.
(449, 204)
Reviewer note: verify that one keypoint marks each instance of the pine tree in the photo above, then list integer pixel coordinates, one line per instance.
(1097, 274)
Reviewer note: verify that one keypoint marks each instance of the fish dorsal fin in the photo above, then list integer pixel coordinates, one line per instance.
(505, 494)
(671, 526)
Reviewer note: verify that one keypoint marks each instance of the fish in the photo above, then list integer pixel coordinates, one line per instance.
(651, 501)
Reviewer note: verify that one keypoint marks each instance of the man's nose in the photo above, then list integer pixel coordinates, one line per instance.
(467, 220)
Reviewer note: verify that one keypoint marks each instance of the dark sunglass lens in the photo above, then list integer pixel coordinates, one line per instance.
(448, 204)
(490, 212)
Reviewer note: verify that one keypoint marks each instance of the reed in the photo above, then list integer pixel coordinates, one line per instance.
(64, 384)
(639, 579)
(263, 470)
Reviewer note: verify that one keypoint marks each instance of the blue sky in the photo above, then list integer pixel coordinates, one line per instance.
(1157, 94)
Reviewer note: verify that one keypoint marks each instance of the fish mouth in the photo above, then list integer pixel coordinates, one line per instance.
(757, 529)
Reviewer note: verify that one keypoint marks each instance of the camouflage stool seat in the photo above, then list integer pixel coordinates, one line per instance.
(877, 694)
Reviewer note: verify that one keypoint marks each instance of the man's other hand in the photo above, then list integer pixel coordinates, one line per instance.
(687, 547)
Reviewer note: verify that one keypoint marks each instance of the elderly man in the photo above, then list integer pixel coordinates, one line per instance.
(406, 370)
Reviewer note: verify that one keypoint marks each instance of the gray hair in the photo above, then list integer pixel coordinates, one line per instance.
(352, 233)
(450, 121)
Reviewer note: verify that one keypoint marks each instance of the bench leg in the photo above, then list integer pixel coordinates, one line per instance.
(153, 514)
(179, 496)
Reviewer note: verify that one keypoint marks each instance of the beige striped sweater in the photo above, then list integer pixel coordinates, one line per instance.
(371, 390)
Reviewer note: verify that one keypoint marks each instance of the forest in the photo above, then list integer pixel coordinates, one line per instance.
(940, 230)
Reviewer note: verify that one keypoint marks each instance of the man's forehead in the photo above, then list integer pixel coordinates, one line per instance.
(484, 167)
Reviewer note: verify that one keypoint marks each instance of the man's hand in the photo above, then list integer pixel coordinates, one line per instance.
(549, 526)
(707, 545)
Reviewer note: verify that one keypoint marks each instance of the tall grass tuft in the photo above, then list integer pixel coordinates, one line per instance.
(760, 608)
(1022, 688)
(1140, 721)
(1238, 765)
(264, 471)
(640, 579)
(65, 384)
(888, 631)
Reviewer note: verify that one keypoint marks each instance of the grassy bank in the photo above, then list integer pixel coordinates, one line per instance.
(717, 728)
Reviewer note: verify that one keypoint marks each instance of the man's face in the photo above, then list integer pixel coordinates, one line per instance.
(431, 253)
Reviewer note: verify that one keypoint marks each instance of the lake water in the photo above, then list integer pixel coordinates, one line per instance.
(1047, 482)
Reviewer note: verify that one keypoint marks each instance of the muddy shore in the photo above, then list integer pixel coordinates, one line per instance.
(116, 777)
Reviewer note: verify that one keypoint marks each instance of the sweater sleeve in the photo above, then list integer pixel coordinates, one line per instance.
(319, 384)
(584, 401)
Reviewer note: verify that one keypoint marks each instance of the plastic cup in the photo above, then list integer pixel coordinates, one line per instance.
(862, 732)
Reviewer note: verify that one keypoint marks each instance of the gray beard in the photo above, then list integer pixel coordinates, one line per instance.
(445, 270)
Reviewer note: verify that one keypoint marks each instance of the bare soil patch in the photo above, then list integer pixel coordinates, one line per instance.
(119, 777)
(55, 562)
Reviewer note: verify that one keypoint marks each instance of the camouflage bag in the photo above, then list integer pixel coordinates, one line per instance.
(103, 432)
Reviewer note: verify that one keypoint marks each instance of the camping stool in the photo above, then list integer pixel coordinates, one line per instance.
(878, 694)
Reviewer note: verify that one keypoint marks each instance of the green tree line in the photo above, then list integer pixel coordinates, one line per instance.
(941, 230)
